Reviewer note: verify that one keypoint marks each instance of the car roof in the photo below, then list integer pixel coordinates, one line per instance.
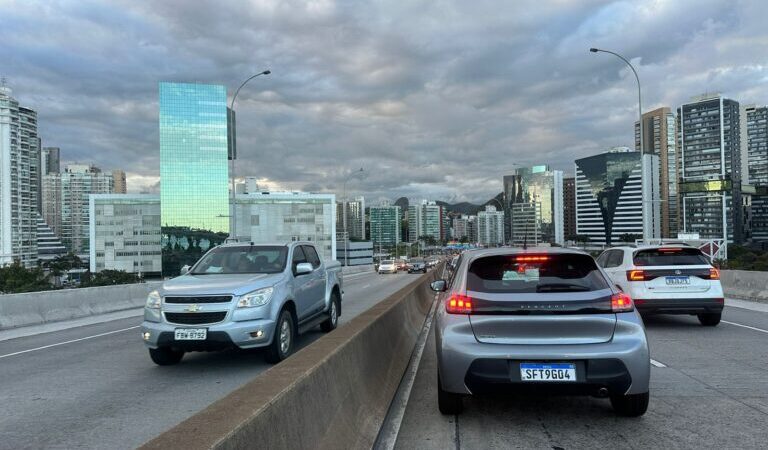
(264, 244)
(520, 251)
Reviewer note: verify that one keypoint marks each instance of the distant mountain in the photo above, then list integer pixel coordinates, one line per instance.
(402, 202)
(471, 209)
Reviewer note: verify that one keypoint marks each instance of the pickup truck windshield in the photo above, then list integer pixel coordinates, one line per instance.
(243, 259)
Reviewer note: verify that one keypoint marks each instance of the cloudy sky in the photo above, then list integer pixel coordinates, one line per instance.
(433, 99)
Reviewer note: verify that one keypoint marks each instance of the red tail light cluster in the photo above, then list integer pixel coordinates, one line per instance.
(621, 302)
(459, 304)
(635, 275)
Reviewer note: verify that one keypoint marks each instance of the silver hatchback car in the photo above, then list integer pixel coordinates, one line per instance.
(514, 320)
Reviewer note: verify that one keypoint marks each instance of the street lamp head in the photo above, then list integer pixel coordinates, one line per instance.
(594, 50)
(266, 72)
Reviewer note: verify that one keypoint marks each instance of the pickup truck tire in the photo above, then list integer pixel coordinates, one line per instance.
(333, 314)
(164, 356)
(283, 340)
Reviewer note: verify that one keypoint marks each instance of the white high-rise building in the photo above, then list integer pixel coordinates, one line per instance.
(19, 181)
(427, 218)
(355, 217)
(490, 226)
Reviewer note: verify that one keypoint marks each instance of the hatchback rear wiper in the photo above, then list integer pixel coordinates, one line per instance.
(560, 287)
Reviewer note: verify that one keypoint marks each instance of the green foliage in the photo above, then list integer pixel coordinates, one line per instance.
(62, 264)
(110, 277)
(629, 238)
(743, 258)
(16, 278)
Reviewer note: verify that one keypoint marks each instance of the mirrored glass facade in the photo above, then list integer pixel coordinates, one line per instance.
(194, 193)
(534, 204)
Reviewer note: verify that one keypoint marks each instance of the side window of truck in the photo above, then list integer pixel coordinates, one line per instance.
(298, 258)
(312, 257)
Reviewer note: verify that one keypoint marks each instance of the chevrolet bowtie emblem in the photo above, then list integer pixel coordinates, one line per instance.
(194, 308)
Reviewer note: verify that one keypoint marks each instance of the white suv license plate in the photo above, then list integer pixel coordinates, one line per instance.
(190, 334)
(678, 281)
(560, 372)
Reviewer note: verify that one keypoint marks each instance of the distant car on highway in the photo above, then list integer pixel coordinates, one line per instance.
(387, 266)
(246, 296)
(534, 320)
(668, 279)
(417, 265)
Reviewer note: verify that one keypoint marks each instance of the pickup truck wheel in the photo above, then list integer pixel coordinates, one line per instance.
(164, 356)
(282, 342)
(333, 315)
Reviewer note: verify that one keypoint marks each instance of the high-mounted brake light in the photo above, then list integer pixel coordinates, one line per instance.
(459, 304)
(670, 250)
(714, 274)
(635, 275)
(541, 258)
(621, 302)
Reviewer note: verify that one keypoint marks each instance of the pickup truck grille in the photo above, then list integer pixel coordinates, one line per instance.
(195, 318)
(206, 299)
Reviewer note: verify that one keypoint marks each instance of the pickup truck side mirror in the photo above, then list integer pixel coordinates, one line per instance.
(185, 269)
(438, 285)
(303, 268)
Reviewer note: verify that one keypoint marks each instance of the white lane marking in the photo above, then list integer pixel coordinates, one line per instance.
(366, 286)
(656, 363)
(744, 326)
(68, 342)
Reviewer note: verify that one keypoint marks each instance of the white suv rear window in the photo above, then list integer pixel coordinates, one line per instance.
(670, 257)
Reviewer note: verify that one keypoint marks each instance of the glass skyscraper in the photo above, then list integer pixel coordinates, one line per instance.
(194, 193)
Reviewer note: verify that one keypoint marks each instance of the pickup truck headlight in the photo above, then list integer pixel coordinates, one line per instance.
(258, 297)
(154, 300)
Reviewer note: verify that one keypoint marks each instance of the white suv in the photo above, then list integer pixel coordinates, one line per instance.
(669, 279)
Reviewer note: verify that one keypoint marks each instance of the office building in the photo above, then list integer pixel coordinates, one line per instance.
(288, 216)
(358, 253)
(66, 205)
(660, 138)
(353, 211)
(534, 204)
(249, 185)
(465, 228)
(757, 156)
(609, 196)
(19, 181)
(426, 220)
(712, 203)
(194, 193)
(490, 226)
(125, 233)
(569, 208)
(49, 246)
(50, 160)
(385, 225)
(119, 180)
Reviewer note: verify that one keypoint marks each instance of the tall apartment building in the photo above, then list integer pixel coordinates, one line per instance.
(385, 225)
(119, 179)
(569, 207)
(660, 138)
(609, 195)
(50, 160)
(465, 227)
(534, 204)
(66, 205)
(353, 211)
(712, 203)
(49, 246)
(757, 157)
(490, 226)
(426, 218)
(288, 216)
(19, 181)
(125, 233)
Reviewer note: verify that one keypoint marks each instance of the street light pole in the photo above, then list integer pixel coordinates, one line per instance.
(644, 169)
(233, 216)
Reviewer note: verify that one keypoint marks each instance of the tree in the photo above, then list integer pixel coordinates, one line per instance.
(629, 237)
(579, 239)
(464, 240)
(111, 277)
(16, 278)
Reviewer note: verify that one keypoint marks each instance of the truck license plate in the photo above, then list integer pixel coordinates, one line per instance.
(548, 372)
(190, 334)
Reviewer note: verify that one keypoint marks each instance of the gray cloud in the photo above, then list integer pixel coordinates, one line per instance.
(433, 99)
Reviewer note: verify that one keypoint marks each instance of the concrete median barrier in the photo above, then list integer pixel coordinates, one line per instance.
(745, 285)
(333, 394)
(34, 308)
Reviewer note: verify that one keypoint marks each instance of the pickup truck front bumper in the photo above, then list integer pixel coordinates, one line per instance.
(246, 334)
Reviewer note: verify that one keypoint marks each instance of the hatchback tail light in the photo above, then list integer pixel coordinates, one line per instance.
(635, 275)
(621, 302)
(714, 274)
(459, 304)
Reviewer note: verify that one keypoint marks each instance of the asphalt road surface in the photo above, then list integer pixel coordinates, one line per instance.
(709, 389)
(100, 389)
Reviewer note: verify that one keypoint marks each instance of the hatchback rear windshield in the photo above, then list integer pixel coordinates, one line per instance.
(670, 257)
(526, 273)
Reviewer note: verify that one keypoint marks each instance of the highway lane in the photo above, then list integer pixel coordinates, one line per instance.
(104, 392)
(711, 393)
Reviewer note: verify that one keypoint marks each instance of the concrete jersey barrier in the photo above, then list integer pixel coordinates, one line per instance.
(33, 308)
(745, 285)
(333, 394)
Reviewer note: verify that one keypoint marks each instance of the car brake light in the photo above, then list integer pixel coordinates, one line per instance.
(621, 302)
(670, 250)
(635, 275)
(714, 274)
(538, 258)
(459, 304)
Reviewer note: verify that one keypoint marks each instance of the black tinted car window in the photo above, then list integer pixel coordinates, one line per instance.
(311, 255)
(670, 257)
(535, 273)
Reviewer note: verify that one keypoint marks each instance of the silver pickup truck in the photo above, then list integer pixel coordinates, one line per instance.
(243, 295)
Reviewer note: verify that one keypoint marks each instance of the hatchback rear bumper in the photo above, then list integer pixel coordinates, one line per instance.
(679, 305)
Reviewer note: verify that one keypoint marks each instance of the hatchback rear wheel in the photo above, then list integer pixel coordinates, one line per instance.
(632, 405)
(448, 402)
(710, 319)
